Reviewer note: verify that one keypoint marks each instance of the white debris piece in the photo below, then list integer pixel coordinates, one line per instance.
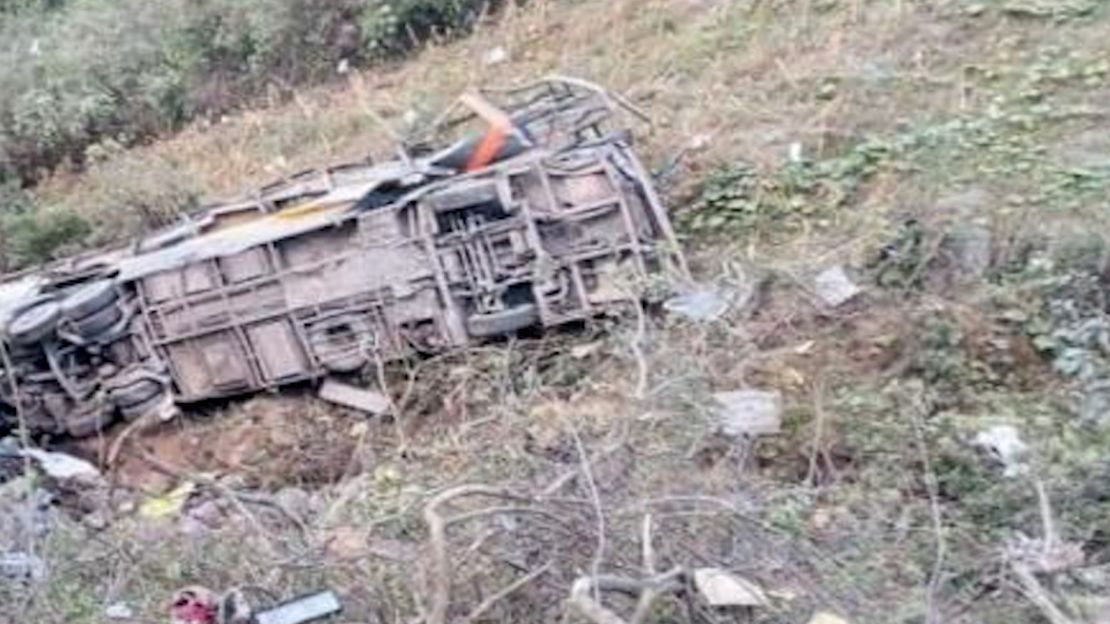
(19, 566)
(1004, 443)
(749, 413)
(824, 617)
(63, 467)
(307, 609)
(496, 56)
(835, 287)
(119, 611)
(701, 305)
(361, 399)
(721, 588)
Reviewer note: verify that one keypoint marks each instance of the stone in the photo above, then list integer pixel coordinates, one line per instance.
(63, 467)
(834, 287)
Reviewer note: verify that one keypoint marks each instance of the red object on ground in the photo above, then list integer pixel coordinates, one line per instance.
(194, 605)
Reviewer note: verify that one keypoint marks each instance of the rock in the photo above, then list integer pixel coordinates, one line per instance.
(701, 306)
(210, 513)
(119, 611)
(835, 287)
(296, 501)
(721, 588)
(64, 467)
(824, 617)
(9, 447)
(21, 566)
(749, 413)
(1004, 444)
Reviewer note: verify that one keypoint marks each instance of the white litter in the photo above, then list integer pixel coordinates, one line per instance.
(823, 617)
(119, 611)
(835, 287)
(496, 56)
(362, 399)
(700, 306)
(721, 588)
(749, 413)
(1004, 443)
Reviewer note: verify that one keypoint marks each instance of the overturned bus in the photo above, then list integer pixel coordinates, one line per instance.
(539, 216)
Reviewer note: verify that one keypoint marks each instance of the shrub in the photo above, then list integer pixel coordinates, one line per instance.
(74, 73)
(38, 236)
(393, 26)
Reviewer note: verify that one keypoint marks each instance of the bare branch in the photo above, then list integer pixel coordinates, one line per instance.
(508, 589)
(440, 569)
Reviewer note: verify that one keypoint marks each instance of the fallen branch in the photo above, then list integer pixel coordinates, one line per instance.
(583, 591)
(440, 568)
(493, 599)
(1032, 589)
(595, 498)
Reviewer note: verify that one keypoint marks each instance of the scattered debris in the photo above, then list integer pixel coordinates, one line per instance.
(119, 611)
(721, 588)
(20, 566)
(1004, 444)
(583, 351)
(700, 306)
(169, 504)
(301, 610)
(1049, 8)
(823, 617)
(194, 605)
(64, 467)
(749, 413)
(26, 513)
(361, 399)
(795, 153)
(835, 287)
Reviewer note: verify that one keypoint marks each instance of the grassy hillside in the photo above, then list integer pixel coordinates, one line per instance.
(952, 155)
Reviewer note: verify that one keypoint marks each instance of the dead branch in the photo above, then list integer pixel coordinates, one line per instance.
(1032, 589)
(647, 554)
(595, 498)
(585, 588)
(931, 487)
(493, 599)
(440, 569)
(581, 597)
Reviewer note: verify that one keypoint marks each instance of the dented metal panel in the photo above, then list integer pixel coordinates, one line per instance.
(332, 270)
